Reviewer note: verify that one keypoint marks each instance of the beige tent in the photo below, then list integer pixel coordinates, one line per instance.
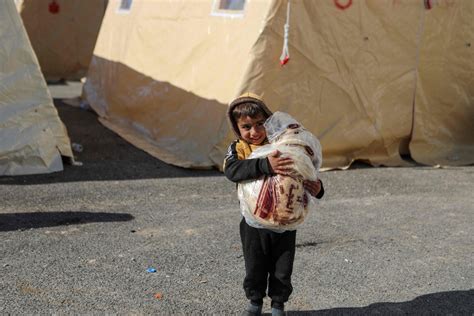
(32, 137)
(443, 128)
(373, 79)
(63, 34)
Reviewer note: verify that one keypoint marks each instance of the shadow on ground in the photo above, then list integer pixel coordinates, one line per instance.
(105, 155)
(23, 221)
(442, 303)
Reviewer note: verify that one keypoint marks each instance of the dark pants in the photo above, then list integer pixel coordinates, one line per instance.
(268, 256)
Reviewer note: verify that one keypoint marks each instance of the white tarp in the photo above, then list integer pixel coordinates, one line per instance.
(32, 136)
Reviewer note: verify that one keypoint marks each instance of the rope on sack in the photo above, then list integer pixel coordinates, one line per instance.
(285, 54)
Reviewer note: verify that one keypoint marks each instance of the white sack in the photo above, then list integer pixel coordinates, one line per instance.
(280, 202)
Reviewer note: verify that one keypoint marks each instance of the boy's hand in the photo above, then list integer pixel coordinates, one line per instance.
(280, 165)
(313, 187)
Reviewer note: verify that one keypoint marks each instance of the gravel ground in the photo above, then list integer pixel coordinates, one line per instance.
(383, 240)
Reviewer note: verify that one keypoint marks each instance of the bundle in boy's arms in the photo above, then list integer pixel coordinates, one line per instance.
(280, 202)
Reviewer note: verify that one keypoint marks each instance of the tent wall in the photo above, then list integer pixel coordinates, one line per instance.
(353, 75)
(32, 137)
(368, 79)
(443, 131)
(64, 40)
(350, 76)
(163, 72)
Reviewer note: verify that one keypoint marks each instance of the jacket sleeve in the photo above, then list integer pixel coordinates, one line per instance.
(237, 170)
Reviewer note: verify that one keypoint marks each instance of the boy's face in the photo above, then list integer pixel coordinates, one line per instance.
(252, 130)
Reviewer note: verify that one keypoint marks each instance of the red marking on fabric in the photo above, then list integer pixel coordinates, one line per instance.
(428, 5)
(343, 6)
(395, 2)
(265, 200)
(289, 202)
(305, 200)
(53, 7)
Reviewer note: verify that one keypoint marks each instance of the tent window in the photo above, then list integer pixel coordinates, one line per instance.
(125, 5)
(230, 8)
(237, 5)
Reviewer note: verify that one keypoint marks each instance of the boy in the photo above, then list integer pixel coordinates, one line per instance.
(268, 255)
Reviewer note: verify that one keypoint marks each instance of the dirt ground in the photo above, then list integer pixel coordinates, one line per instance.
(389, 241)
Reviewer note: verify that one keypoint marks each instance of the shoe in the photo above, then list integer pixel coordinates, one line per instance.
(277, 312)
(252, 310)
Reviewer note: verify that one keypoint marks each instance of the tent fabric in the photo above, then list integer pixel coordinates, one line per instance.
(163, 71)
(349, 75)
(367, 78)
(64, 40)
(32, 137)
(353, 81)
(443, 129)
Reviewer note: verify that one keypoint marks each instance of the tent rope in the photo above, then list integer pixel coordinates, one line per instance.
(285, 54)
